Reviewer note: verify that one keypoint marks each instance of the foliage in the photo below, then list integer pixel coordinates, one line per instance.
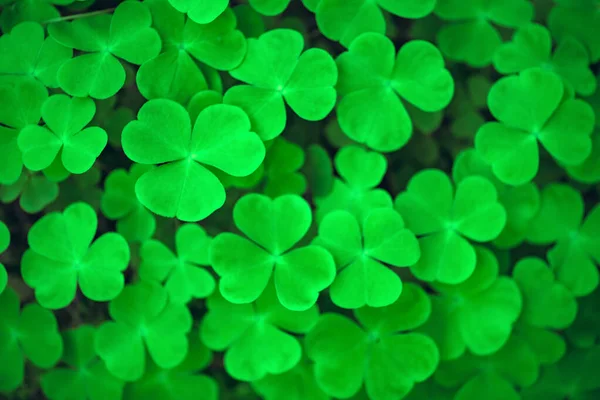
(291, 200)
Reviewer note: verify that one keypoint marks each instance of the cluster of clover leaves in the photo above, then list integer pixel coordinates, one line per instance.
(299, 200)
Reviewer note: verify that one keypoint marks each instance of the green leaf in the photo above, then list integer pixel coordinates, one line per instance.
(163, 134)
(527, 115)
(143, 319)
(304, 80)
(201, 12)
(255, 337)
(299, 274)
(86, 377)
(65, 132)
(62, 255)
(546, 303)
(26, 52)
(371, 83)
(27, 334)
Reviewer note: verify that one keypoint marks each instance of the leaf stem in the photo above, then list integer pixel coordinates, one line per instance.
(78, 16)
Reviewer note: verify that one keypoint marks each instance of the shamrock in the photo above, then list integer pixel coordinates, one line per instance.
(273, 227)
(380, 352)
(495, 376)
(201, 12)
(585, 330)
(343, 21)
(520, 202)
(126, 34)
(530, 107)
(29, 334)
(15, 12)
(64, 134)
(373, 80)
(25, 52)
(469, 35)
(578, 19)
(477, 314)
(183, 186)
(362, 171)
(4, 242)
(84, 376)
(184, 279)
(269, 7)
(296, 384)
(282, 162)
(589, 170)
(546, 303)
(444, 220)
(531, 47)
(182, 382)
(21, 99)
(255, 336)
(119, 202)
(173, 73)
(143, 319)
(61, 257)
(576, 241)
(275, 69)
(573, 377)
(360, 254)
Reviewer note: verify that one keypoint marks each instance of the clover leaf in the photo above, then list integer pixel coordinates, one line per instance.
(30, 333)
(173, 73)
(588, 171)
(496, 376)
(361, 254)
(127, 34)
(560, 221)
(477, 314)
(469, 35)
(64, 134)
(530, 108)
(21, 100)
(521, 203)
(33, 191)
(445, 221)
(84, 376)
(531, 46)
(62, 257)
(585, 330)
(373, 80)
(298, 383)
(120, 203)
(256, 338)
(183, 277)
(282, 162)
(546, 303)
(4, 243)
(143, 319)
(381, 351)
(361, 172)
(269, 7)
(318, 170)
(277, 71)
(343, 21)
(25, 52)
(183, 186)
(246, 266)
(201, 12)
(578, 19)
(15, 12)
(182, 382)
(573, 377)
